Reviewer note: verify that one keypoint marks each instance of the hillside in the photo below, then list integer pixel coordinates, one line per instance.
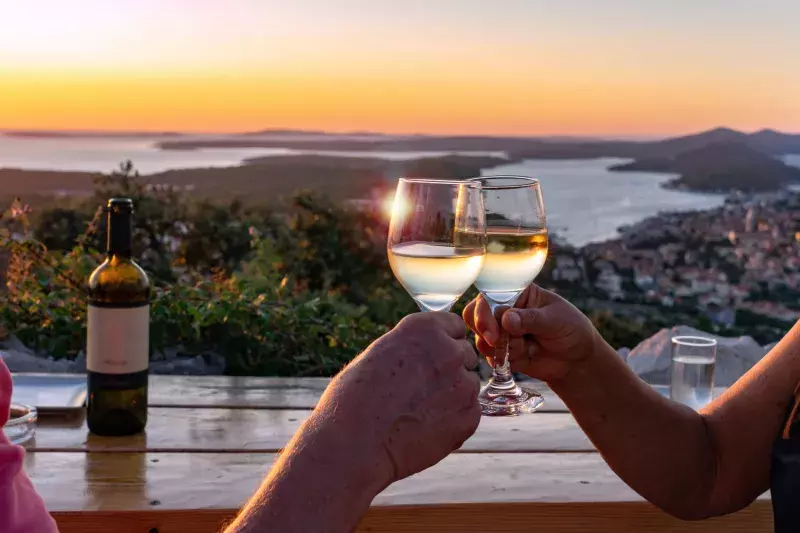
(767, 141)
(720, 166)
(261, 179)
(775, 142)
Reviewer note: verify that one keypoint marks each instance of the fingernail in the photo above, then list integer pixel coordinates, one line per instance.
(513, 320)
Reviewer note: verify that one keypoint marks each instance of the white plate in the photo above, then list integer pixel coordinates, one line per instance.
(50, 393)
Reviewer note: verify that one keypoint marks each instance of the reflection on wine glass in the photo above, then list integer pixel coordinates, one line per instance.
(437, 241)
(516, 233)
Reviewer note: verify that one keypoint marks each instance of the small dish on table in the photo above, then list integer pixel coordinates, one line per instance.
(21, 425)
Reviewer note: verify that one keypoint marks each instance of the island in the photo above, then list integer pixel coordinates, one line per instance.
(720, 159)
(720, 167)
(258, 180)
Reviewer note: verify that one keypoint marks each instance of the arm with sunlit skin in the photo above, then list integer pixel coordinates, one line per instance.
(692, 465)
(400, 407)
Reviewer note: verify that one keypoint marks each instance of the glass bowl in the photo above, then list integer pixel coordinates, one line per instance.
(21, 424)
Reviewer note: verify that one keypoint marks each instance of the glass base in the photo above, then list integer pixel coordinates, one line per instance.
(508, 399)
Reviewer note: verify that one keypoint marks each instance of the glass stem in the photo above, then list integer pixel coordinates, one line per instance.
(501, 375)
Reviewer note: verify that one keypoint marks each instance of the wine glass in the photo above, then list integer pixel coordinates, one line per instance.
(516, 249)
(437, 239)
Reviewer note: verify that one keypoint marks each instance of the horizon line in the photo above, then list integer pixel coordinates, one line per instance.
(277, 129)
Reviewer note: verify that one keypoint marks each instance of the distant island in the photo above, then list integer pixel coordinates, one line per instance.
(720, 167)
(719, 160)
(258, 180)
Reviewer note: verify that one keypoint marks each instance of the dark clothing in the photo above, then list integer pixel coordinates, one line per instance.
(785, 473)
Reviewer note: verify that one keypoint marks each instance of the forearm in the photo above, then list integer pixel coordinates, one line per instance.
(663, 450)
(324, 481)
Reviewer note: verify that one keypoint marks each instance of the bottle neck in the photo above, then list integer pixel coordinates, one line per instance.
(120, 235)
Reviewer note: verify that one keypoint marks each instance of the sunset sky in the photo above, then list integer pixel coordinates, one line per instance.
(611, 67)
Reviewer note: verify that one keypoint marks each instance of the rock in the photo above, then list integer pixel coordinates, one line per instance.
(624, 353)
(171, 354)
(13, 344)
(80, 362)
(18, 361)
(652, 357)
(19, 358)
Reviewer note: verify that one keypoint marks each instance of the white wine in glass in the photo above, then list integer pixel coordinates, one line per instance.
(437, 241)
(516, 232)
(514, 258)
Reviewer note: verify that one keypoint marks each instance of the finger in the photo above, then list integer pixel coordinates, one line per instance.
(527, 322)
(469, 315)
(470, 387)
(484, 348)
(485, 323)
(522, 301)
(533, 296)
(469, 420)
(450, 323)
(470, 357)
(476, 381)
(522, 350)
(466, 388)
(516, 345)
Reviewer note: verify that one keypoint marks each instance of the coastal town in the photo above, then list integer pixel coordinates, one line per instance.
(735, 264)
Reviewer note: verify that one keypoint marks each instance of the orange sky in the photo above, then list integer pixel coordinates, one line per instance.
(461, 67)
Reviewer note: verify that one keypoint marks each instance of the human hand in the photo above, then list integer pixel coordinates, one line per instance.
(547, 334)
(411, 398)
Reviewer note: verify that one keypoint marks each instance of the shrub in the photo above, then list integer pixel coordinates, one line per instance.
(273, 292)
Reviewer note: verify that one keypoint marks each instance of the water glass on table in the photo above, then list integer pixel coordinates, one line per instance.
(692, 370)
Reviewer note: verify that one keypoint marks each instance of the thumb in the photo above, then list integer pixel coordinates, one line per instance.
(519, 322)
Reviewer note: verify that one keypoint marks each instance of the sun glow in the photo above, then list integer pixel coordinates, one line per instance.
(201, 65)
(394, 208)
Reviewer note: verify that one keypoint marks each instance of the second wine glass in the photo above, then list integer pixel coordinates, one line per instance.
(516, 232)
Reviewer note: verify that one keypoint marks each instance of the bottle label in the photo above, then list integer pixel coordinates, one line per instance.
(117, 339)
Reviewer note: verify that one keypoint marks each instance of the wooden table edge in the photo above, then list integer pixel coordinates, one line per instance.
(514, 517)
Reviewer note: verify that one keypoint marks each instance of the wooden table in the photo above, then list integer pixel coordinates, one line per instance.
(210, 440)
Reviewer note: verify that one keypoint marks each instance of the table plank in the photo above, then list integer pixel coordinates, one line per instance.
(183, 481)
(263, 392)
(623, 517)
(170, 491)
(266, 430)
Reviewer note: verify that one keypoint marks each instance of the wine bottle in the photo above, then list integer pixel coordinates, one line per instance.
(117, 351)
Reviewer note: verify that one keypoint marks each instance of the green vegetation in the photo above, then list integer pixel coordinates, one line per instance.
(295, 291)
(292, 288)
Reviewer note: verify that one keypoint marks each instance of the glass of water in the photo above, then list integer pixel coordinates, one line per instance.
(692, 371)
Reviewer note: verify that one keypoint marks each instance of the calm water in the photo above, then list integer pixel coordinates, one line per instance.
(585, 202)
(104, 155)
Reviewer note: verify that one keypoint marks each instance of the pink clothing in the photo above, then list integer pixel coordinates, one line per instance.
(21, 508)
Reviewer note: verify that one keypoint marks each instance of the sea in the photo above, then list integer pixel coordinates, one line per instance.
(585, 202)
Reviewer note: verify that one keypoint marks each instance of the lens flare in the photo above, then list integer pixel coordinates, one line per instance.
(393, 207)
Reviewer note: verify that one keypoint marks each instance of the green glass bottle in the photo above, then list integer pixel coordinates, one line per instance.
(117, 344)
